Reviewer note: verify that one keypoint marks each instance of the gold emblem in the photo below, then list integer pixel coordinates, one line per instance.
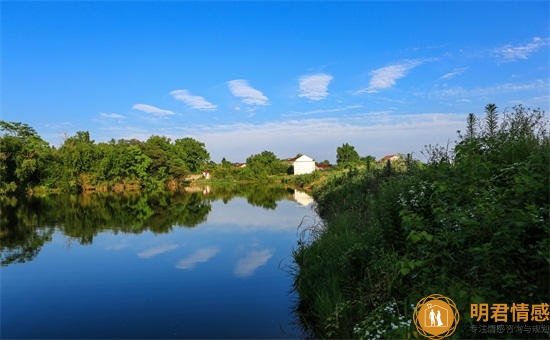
(436, 316)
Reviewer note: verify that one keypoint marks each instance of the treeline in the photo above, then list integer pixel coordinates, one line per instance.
(472, 224)
(28, 163)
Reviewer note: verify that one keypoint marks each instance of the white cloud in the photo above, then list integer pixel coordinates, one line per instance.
(200, 256)
(156, 251)
(111, 115)
(314, 86)
(151, 109)
(456, 72)
(240, 88)
(375, 135)
(386, 77)
(510, 52)
(253, 260)
(195, 102)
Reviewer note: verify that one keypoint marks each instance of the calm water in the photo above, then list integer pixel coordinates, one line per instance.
(188, 265)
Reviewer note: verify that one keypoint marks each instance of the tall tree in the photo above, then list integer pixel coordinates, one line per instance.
(159, 150)
(23, 156)
(491, 120)
(347, 155)
(192, 152)
(471, 128)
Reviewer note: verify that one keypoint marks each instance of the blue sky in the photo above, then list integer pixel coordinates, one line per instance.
(288, 77)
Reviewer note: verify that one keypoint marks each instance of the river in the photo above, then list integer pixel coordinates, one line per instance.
(207, 263)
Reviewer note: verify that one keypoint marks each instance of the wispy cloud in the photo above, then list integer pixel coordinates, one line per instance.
(151, 109)
(195, 102)
(63, 125)
(156, 251)
(253, 260)
(111, 115)
(456, 72)
(538, 84)
(387, 76)
(312, 112)
(200, 256)
(240, 88)
(314, 87)
(508, 53)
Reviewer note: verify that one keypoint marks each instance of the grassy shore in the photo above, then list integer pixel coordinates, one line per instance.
(472, 223)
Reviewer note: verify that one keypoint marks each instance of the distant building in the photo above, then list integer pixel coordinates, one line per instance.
(206, 174)
(303, 165)
(390, 158)
(323, 166)
(241, 165)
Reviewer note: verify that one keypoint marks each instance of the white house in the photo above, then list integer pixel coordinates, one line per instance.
(303, 165)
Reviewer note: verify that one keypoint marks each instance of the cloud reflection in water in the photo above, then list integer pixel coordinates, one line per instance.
(201, 255)
(156, 251)
(253, 260)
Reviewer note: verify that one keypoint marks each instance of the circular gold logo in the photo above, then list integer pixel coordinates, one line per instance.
(436, 316)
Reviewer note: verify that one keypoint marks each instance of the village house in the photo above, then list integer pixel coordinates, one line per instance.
(322, 166)
(302, 165)
(387, 158)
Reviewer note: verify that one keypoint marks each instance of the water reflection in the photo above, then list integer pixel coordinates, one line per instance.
(203, 264)
(29, 222)
(156, 251)
(252, 261)
(302, 198)
(199, 256)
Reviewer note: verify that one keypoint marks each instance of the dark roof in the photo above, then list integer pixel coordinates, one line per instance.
(323, 166)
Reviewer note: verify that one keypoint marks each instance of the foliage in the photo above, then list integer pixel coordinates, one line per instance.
(27, 162)
(23, 157)
(472, 224)
(346, 155)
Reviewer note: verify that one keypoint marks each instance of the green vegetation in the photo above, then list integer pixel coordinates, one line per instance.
(346, 155)
(472, 223)
(29, 164)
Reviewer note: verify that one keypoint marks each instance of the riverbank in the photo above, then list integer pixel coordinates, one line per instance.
(472, 224)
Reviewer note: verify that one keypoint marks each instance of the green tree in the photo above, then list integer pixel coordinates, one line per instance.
(369, 161)
(471, 126)
(159, 150)
(346, 155)
(23, 156)
(79, 156)
(491, 120)
(192, 152)
(264, 164)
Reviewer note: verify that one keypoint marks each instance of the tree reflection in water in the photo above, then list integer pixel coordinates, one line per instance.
(29, 222)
